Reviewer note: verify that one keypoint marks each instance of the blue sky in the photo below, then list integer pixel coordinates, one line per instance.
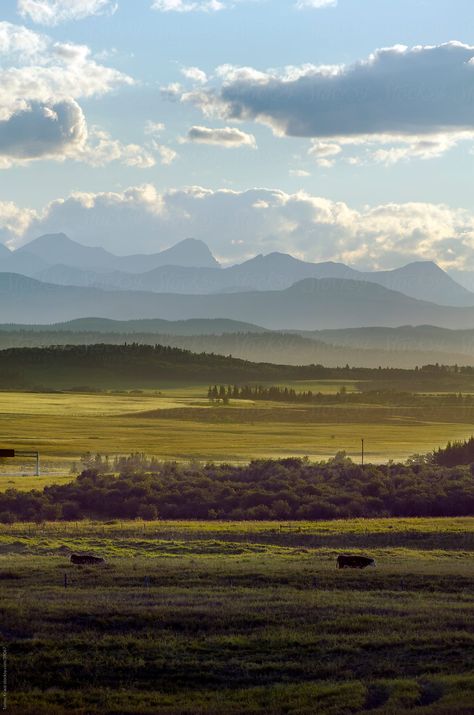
(109, 155)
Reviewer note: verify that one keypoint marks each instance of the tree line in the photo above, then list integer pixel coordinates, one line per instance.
(225, 393)
(289, 489)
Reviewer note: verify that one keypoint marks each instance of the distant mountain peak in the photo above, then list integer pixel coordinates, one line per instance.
(421, 266)
(190, 252)
(52, 238)
(55, 248)
(59, 242)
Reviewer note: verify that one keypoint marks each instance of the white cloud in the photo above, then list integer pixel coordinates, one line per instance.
(315, 4)
(195, 74)
(102, 149)
(239, 224)
(14, 221)
(188, 5)
(418, 101)
(36, 68)
(228, 137)
(154, 128)
(166, 153)
(54, 12)
(324, 152)
(299, 173)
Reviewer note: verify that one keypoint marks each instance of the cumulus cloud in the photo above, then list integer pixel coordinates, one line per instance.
(238, 224)
(419, 100)
(41, 84)
(228, 137)
(54, 12)
(42, 131)
(14, 221)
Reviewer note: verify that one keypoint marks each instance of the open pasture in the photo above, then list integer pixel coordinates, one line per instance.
(178, 423)
(214, 617)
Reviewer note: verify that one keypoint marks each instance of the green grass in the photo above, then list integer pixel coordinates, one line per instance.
(239, 618)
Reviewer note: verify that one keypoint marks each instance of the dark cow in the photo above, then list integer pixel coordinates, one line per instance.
(344, 561)
(86, 559)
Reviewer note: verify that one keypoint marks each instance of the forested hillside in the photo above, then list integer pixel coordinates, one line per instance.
(107, 366)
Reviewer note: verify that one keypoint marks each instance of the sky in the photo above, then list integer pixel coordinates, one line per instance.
(328, 129)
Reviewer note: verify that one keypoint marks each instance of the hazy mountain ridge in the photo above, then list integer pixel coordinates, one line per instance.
(406, 343)
(308, 305)
(270, 347)
(420, 337)
(150, 326)
(190, 268)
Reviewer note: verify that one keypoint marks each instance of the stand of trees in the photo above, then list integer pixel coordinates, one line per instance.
(455, 453)
(289, 489)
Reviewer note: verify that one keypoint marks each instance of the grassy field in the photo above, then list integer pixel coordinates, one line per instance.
(223, 618)
(178, 423)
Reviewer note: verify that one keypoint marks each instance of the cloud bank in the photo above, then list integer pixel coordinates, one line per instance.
(237, 225)
(419, 100)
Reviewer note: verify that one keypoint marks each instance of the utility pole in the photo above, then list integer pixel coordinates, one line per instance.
(362, 451)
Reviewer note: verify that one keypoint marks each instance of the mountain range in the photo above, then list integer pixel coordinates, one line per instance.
(190, 268)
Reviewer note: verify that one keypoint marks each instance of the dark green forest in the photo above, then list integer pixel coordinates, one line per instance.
(133, 365)
(292, 489)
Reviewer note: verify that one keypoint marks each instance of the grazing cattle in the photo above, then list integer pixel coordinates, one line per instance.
(345, 561)
(86, 559)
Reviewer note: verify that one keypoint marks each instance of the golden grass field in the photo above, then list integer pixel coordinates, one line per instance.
(177, 423)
